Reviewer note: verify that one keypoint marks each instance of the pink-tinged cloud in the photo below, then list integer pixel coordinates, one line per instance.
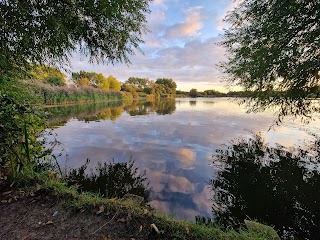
(189, 28)
(194, 63)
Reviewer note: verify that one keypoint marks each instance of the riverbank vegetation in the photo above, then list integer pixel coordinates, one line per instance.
(51, 95)
(28, 170)
(36, 37)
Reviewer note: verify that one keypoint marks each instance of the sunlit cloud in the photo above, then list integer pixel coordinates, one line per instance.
(181, 44)
(186, 158)
(189, 28)
(179, 184)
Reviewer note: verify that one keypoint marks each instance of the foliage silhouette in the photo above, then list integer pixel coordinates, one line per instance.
(110, 179)
(273, 51)
(274, 185)
(48, 32)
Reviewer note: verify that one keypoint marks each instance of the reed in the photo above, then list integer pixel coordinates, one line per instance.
(52, 95)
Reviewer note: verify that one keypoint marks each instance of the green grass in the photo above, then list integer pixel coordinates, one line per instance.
(52, 95)
(169, 227)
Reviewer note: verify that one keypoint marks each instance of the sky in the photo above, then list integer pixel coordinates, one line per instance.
(181, 45)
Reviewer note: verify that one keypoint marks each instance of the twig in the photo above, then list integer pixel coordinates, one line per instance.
(105, 223)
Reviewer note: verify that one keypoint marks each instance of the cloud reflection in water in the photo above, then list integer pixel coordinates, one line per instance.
(173, 142)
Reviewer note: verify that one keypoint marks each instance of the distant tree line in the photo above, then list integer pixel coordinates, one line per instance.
(247, 94)
(212, 93)
(162, 87)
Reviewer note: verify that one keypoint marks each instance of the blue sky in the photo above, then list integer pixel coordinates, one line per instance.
(181, 45)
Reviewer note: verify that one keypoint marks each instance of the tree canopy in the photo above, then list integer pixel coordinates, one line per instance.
(273, 50)
(97, 80)
(49, 31)
(193, 92)
(169, 85)
(48, 74)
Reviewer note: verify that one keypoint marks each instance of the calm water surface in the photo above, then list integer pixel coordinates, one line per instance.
(173, 140)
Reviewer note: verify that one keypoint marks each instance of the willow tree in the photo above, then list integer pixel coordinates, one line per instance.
(273, 49)
(44, 32)
(48, 32)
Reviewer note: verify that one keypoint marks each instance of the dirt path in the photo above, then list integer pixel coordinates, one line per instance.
(44, 217)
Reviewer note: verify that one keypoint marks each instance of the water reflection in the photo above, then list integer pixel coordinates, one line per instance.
(274, 185)
(110, 179)
(193, 103)
(60, 115)
(172, 140)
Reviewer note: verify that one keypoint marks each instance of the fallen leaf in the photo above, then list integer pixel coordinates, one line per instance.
(154, 227)
(49, 222)
(140, 229)
(101, 210)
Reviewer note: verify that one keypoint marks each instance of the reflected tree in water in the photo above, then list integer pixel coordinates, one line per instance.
(160, 106)
(139, 108)
(84, 112)
(193, 103)
(110, 179)
(164, 107)
(274, 185)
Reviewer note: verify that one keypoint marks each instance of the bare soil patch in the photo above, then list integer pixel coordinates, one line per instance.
(43, 216)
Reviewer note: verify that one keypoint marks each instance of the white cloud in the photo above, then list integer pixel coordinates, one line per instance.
(186, 56)
(195, 62)
(189, 28)
(160, 3)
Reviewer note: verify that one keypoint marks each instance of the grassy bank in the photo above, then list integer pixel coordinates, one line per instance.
(126, 217)
(117, 217)
(27, 169)
(51, 95)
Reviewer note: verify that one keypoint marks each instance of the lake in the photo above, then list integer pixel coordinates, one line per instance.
(174, 140)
